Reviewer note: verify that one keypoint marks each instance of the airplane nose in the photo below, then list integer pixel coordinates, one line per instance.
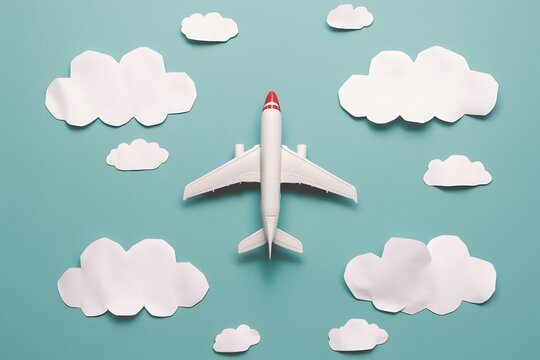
(271, 101)
(271, 97)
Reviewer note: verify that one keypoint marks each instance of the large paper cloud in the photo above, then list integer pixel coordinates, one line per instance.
(139, 155)
(457, 170)
(136, 87)
(411, 276)
(233, 340)
(438, 84)
(123, 282)
(349, 18)
(356, 335)
(210, 27)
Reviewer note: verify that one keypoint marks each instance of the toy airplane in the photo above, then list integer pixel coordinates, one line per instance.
(270, 164)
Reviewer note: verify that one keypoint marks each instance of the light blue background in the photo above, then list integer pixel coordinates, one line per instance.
(58, 195)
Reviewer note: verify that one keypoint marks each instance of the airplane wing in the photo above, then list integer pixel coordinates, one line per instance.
(298, 170)
(244, 168)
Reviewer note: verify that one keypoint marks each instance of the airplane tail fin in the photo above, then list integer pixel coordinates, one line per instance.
(253, 241)
(281, 238)
(287, 241)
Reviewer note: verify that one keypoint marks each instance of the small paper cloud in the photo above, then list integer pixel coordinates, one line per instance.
(136, 87)
(457, 170)
(233, 340)
(411, 276)
(123, 282)
(356, 335)
(210, 27)
(139, 155)
(438, 84)
(348, 18)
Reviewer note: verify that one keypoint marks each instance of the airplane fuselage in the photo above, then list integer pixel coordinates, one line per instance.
(270, 170)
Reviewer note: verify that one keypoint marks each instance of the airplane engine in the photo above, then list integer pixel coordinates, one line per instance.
(238, 150)
(301, 150)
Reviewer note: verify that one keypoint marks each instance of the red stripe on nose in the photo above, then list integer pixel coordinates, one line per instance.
(271, 97)
(271, 101)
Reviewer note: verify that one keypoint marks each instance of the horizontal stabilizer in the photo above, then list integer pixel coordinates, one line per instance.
(252, 242)
(288, 242)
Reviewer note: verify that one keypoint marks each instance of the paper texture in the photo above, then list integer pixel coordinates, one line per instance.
(356, 335)
(438, 84)
(233, 340)
(411, 276)
(123, 282)
(211, 27)
(457, 170)
(347, 17)
(136, 87)
(139, 155)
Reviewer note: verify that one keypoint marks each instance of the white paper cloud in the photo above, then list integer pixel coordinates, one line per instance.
(411, 276)
(210, 27)
(139, 155)
(136, 87)
(356, 335)
(457, 170)
(438, 84)
(123, 282)
(348, 18)
(233, 340)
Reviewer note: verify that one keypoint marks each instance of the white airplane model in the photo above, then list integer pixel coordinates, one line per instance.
(270, 164)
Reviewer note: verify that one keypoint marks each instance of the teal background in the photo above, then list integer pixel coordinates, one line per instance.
(58, 195)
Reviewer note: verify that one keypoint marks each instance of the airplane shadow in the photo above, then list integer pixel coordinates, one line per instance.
(269, 268)
(258, 258)
(228, 191)
(238, 189)
(261, 255)
(304, 190)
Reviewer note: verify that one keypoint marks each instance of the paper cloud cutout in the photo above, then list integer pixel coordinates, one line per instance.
(348, 18)
(123, 282)
(139, 155)
(457, 170)
(438, 84)
(136, 87)
(356, 335)
(233, 340)
(210, 27)
(411, 276)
